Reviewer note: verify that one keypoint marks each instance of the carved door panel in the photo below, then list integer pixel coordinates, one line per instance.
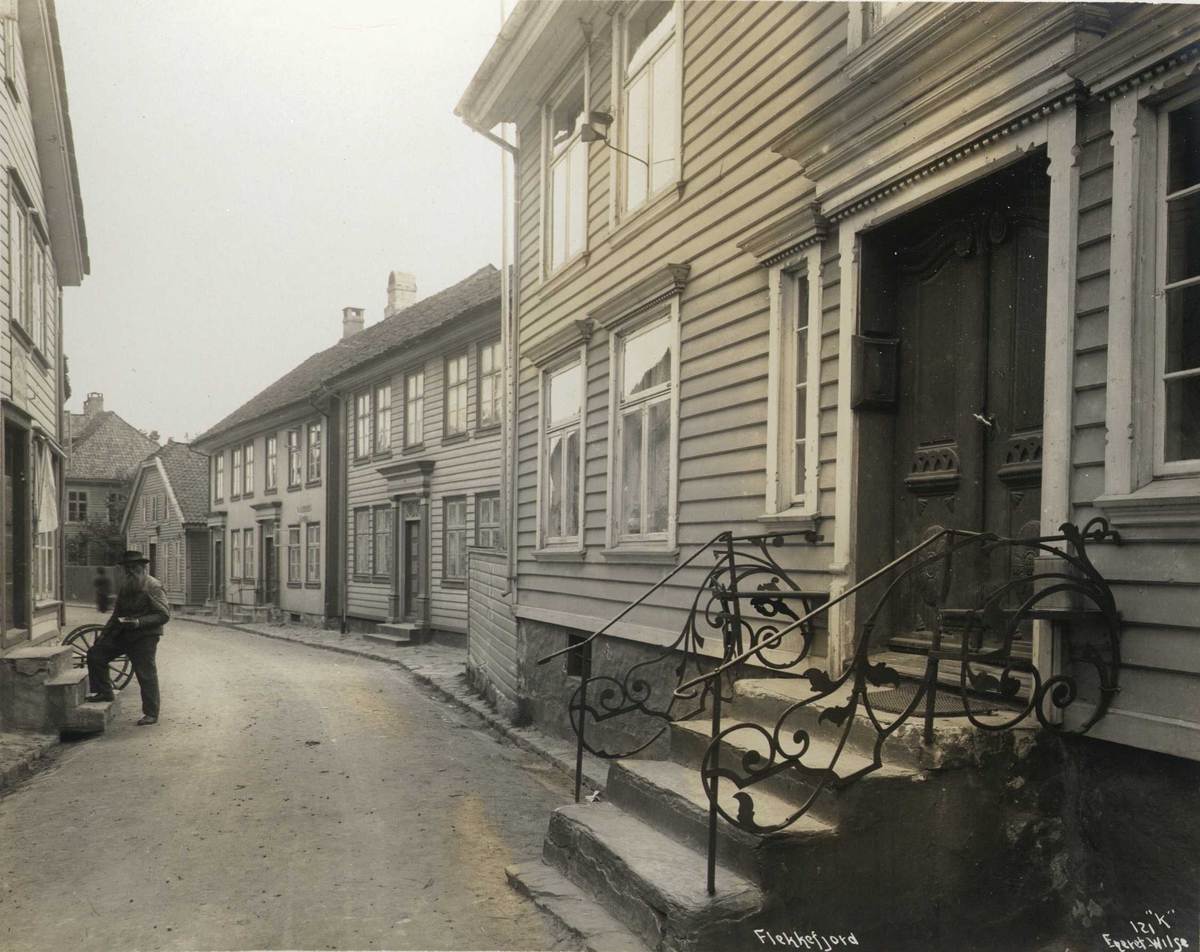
(970, 318)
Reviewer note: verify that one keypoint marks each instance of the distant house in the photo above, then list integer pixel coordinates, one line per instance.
(167, 520)
(104, 453)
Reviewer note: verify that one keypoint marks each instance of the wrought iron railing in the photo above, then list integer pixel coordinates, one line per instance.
(756, 619)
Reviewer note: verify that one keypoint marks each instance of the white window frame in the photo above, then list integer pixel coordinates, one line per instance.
(382, 416)
(460, 390)
(460, 529)
(295, 574)
(248, 470)
(248, 559)
(313, 459)
(623, 77)
(235, 556)
(219, 477)
(547, 540)
(295, 458)
(551, 160)
(362, 424)
(791, 282)
(617, 539)
(383, 527)
(77, 506)
(312, 554)
(271, 463)
(488, 520)
(364, 543)
(414, 408)
(235, 470)
(494, 378)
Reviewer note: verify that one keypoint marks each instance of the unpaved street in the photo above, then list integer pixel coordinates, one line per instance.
(289, 798)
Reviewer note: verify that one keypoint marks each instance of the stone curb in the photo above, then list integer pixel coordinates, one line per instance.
(24, 763)
(452, 686)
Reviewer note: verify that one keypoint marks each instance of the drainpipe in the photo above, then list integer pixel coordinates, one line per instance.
(330, 502)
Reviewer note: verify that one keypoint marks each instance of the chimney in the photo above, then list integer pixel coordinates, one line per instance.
(352, 321)
(401, 293)
(93, 404)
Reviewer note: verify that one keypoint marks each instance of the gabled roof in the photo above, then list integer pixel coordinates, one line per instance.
(435, 311)
(185, 474)
(105, 447)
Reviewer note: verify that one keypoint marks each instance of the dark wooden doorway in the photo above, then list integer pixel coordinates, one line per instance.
(218, 569)
(411, 579)
(962, 284)
(270, 573)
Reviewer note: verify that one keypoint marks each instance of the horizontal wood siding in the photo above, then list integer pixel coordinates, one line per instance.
(493, 630)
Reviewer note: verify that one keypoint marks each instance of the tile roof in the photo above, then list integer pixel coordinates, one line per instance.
(187, 472)
(105, 447)
(437, 310)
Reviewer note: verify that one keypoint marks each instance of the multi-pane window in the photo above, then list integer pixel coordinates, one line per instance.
(77, 506)
(47, 565)
(314, 452)
(219, 477)
(248, 553)
(248, 472)
(561, 448)
(383, 418)
(650, 101)
(37, 292)
(271, 476)
(156, 507)
(295, 473)
(293, 554)
(487, 521)
(236, 472)
(114, 507)
(18, 251)
(362, 425)
(313, 554)
(383, 540)
(362, 542)
(797, 377)
(414, 408)
(454, 529)
(566, 213)
(644, 431)
(456, 395)
(146, 508)
(235, 554)
(491, 385)
(1178, 358)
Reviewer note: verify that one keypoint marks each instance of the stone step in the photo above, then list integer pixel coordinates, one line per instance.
(957, 742)
(92, 718)
(591, 926)
(862, 801)
(66, 692)
(653, 884)
(389, 638)
(671, 797)
(40, 662)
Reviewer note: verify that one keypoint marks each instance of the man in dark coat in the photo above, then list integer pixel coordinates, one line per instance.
(134, 629)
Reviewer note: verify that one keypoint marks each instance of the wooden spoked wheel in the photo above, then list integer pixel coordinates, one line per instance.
(82, 638)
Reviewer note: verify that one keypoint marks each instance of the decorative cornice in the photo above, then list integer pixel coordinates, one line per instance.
(1076, 93)
(558, 343)
(1190, 54)
(263, 507)
(665, 283)
(790, 234)
(404, 468)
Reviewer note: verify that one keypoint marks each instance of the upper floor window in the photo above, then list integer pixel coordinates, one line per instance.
(491, 385)
(248, 472)
(456, 395)
(271, 477)
(314, 452)
(219, 477)
(1178, 306)
(383, 418)
(487, 521)
(414, 408)
(362, 425)
(295, 472)
(650, 101)
(77, 507)
(567, 172)
(562, 437)
(146, 508)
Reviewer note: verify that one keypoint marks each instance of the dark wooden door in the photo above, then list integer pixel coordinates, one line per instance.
(218, 574)
(270, 573)
(16, 551)
(970, 292)
(412, 568)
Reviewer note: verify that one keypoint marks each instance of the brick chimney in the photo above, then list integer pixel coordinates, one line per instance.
(93, 404)
(401, 292)
(352, 321)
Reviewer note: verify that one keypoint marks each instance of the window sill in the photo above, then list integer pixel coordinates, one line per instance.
(234, 498)
(40, 359)
(413, 448)
(641, 554)
(568, 270)
(247, 495)
(560, 554)
(382, 454)
(312, 584)
(455, 583)
(312, 484)
(42, 606)
(361, 460)
(487, 430)
(650, 211)
(381, 580)
(1165, 501)
(295, 489)
(21, 334)
(294, 585)
(360, 577)
(455, 438)
(271, 492)
(796, 519)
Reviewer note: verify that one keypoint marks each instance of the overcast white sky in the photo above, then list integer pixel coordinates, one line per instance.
(251, 167)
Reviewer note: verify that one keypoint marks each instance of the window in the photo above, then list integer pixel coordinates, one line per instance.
(18, 238)
(219, 477)
(248, 553)
(77, 507)
(650, 102)
(293, 447)
(146, 509)
(454, 557)
(362, 425)
(456, 395)
(235, 554)
(313, 554)
(643, 440)
(11, 53)
(491, 384)
(383, 418)
(272, 473)
(414, 408)
(362, 541)
(114, 507)
(314, 452)
(37, 293)
(566, 177)
(562, 402)
(156, 508)
(248, 472)
(487, 521)
(236, 472)
(1177, 359)
(383, 541)
(293, 555)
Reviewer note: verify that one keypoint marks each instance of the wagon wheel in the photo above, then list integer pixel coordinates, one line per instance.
(82, 638)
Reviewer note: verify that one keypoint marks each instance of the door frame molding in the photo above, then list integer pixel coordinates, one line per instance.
(1058, 134)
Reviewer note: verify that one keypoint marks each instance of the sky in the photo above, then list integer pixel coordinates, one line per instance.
(248, 169)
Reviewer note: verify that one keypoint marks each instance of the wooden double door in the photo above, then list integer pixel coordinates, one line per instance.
(965, 297)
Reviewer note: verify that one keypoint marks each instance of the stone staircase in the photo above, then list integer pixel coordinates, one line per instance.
(932, 850)
(397, 633)
(42, 689)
